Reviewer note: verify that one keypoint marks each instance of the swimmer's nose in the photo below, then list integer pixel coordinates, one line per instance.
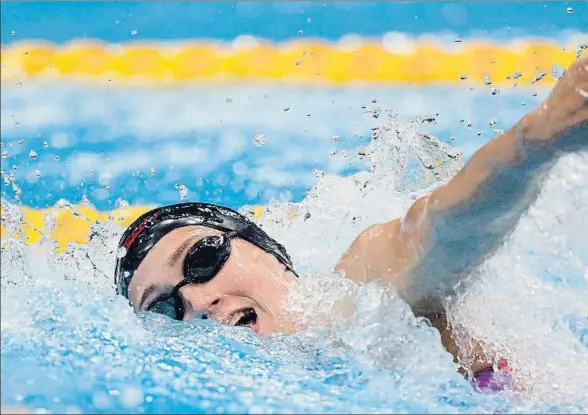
(199, 304)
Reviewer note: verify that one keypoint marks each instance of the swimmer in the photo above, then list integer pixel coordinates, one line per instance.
(197, 260)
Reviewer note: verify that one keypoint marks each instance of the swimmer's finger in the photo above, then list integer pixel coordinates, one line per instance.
(580, 63)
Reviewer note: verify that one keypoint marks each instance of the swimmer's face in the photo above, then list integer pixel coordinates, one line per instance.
(248, 290)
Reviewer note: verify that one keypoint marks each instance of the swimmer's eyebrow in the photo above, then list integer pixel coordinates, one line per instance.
(177, 254)
(171, 261)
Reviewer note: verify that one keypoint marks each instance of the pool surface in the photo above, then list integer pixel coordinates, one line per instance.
(313, 146)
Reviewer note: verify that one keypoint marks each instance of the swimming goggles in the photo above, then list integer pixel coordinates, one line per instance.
(144, 233)
(202, 262)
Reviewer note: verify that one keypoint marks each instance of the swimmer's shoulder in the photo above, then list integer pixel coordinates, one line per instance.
(378, 253)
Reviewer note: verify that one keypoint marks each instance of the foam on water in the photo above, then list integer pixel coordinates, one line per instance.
(528, 303)
(69, 344)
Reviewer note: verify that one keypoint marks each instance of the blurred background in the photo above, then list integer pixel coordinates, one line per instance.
(109, 103)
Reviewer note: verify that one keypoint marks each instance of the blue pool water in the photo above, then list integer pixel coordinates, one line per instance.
(92, 355)
(68, 141)
(70, 345)
(69, 349)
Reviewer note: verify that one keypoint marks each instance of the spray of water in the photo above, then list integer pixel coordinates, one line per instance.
(527, 304)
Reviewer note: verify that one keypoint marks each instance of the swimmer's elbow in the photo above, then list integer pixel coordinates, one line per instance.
(381, 253)
(417, 218)
(352, 263)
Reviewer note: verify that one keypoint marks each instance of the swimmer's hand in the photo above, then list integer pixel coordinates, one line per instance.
(427, 253)
(560, 122)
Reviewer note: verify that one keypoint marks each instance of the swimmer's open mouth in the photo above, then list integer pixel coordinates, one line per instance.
(246, 317)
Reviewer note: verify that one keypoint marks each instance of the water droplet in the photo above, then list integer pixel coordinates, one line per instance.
(538, 76)
(308, 20)
(37, 173)
(259, 140)
(122, 252)
(100, 400)
(21, 141)
(57, 158)
(33, 154)
(557, 71)
(463, 77)
(152, 171)
(4, 154)
(183, 192)
(131, 396)
(492, 121)
(570, 10)
(469, 125)
(85, 200)
(335, 138)
(495, 91)
(487, 80)
(301, 32)
(45, 144)
(517, 75)
(134, 32)
(318, 173)
(18, 84)
(13, 33)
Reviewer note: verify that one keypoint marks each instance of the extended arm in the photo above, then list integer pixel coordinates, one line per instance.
(443, 235)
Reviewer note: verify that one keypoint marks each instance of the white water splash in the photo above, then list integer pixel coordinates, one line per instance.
(532, 293)
(510, 305)
(527, 304)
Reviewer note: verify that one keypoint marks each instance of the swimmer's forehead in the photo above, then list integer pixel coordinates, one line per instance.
(176, 241)
(164, 257)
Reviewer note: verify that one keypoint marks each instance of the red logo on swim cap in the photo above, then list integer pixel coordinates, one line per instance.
(135, 233)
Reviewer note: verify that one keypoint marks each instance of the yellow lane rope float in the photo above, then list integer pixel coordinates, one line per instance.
(306, 61)
(401, 61)
(73, 225)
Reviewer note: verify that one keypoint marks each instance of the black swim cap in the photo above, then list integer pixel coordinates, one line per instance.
(150, 227)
